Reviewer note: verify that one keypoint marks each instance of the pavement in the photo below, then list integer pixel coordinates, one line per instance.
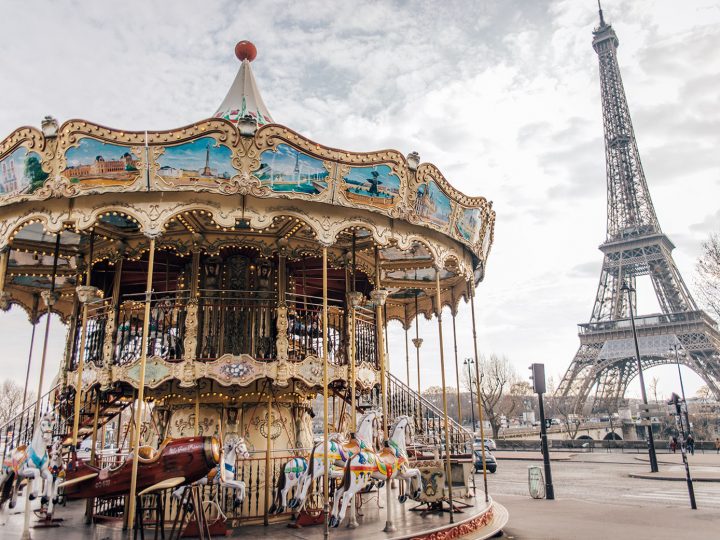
(564, 519)
(531, 456)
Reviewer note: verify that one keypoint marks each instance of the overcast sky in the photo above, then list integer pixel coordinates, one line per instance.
(503, 96)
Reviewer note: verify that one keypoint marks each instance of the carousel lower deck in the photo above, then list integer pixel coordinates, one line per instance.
(476, 520)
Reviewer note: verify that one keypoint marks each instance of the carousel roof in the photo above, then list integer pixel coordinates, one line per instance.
(244, 98)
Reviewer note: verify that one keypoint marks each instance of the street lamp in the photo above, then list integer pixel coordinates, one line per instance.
(651, 442)
(468, 362)
(676, 348)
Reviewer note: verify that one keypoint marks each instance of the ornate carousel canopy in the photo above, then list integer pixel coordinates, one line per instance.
(237, 181)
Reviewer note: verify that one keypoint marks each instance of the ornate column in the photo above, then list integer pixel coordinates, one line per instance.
(4, 295)
(282, 343)
(448, 474)
(111, 327)
(85, 293)
(191, 323)
(141, 383)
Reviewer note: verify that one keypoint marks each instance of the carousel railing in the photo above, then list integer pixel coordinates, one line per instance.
(166, 330)
(95, 335)
(236, 322)
(305, 330)
(19, 429)
(428, 419)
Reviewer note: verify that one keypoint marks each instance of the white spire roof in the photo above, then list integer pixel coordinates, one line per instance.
(244, 98)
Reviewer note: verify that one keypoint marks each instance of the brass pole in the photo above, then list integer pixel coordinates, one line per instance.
(81, 351)
(4, 261)
(453, 312)
(479, 396)
(379, 297)
(50, 301)
(407, 351)
(141, 384)
(34, 321)
(197, 408)
(268, 451)
(417, 341)
(326, 477)
(90, 503)
(448, 475)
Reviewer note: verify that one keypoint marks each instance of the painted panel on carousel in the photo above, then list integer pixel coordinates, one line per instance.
(287, 170)
(468, 223)
(376, 186)
(200, 161)
(21, 172)
(433, 205)
(423, 274)
(93, 163)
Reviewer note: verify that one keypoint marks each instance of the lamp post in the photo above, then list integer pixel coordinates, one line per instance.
(651, 442)
(676, 348)
(469, 362)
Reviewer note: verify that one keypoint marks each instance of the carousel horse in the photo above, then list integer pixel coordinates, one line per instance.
(338, 451)
(391, 462)
(32, 463)
(57, 467)
(224, 474)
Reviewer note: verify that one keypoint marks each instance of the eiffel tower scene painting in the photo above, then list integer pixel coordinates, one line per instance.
(635, 248)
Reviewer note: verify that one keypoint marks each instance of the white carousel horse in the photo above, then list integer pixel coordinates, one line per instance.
(224, 474)
(57, 467)
(339, 452)
(391, 462)
(30, 462)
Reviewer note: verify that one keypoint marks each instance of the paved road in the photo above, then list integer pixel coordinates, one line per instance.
(595, 495)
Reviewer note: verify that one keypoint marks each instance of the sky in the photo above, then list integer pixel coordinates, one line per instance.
(503, 96)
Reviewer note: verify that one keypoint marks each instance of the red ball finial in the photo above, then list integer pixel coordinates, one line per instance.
(245, 50)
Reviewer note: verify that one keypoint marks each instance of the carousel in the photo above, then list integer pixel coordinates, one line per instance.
(226, 289)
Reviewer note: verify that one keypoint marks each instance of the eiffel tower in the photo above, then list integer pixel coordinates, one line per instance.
(635, 246)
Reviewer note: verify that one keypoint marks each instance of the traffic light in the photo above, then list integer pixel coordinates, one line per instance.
(537, 376)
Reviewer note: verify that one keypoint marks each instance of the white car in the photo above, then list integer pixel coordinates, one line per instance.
(489, 443)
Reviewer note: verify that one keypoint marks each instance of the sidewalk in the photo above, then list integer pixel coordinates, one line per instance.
(531, 456)
(570, 519)
(698, 460)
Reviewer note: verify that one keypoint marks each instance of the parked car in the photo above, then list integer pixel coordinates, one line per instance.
(490, 461)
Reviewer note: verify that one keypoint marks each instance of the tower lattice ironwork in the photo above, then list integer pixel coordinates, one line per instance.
(635, 246)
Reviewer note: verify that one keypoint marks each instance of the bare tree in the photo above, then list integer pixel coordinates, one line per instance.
(11, 397)
(654, 388)
(708, 274)
(497, 377)
(703, 393)
(564, 407)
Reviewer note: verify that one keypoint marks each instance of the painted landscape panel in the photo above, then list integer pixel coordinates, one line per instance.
(200, 160)
(95, 163)
(468, 224)
(375, 185)
(433, 205)
(287, 170)
(21, 172)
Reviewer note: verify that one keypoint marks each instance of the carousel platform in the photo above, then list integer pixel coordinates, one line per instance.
(477, 521)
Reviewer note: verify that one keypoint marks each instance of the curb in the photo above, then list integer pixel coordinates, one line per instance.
(673, 478)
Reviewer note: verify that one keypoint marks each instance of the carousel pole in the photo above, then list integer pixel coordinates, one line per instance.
(417, 341)
(453, 312)
(407, 350)
(379, 296)
(141, 385)
(479, 396)
(34, 321)
(196, 427)
(81, 350)
(326, 477)
(268, 450)
(50, 298)
(448, 475)
(354, 300)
